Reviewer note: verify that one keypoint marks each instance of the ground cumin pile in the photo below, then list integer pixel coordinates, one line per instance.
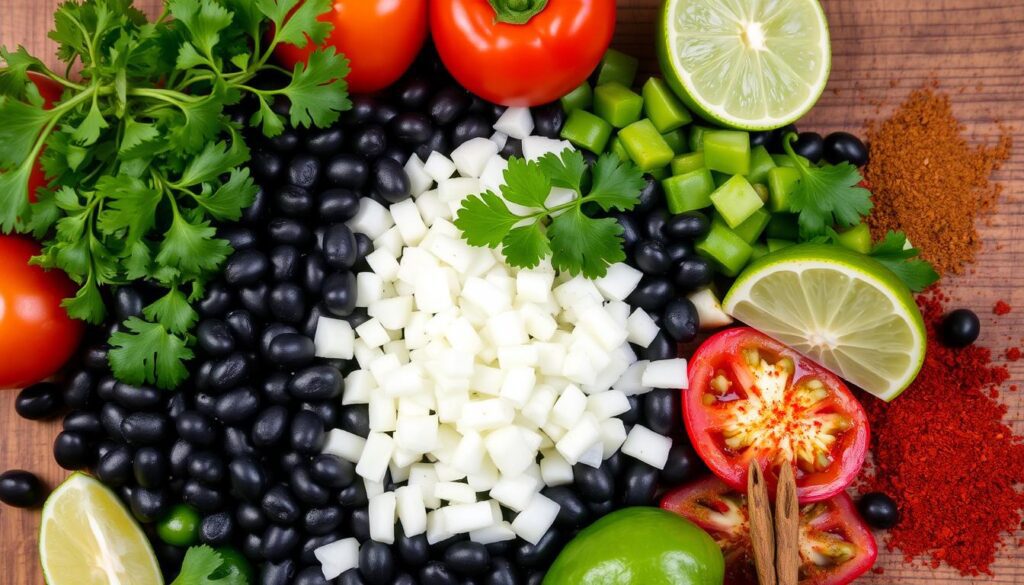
(928, 181)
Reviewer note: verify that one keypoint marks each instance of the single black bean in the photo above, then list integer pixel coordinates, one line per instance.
(287, 302)
(309, 545)
(79, 389)
(438, 142)
(332, 471)
(662, 413)
(179, 455)
(548, 120)
(286, 141)
(239, 237)
(594, 484)
(778, 135)
(437, 573)
(39, 401)
(196, 428)
(105, 388)
(691, 225)
(810, 146)
(254, 299)
(347, 170)
(540, 555)
(275, 388)
(363, 110)
(304, 171)
(270, 426)
(145, 428)
(512, 147)
(286, 262)
(294, 201)
(679, 251)
(136, 398)
(286, 230)
(238, 405)
(845, 147)
(127, 303)
(339, 293)
(650, 257)
(370, 141)
(407, 579)
(257, 211)
(94, 357)
(412, 550)
(266, 164)
(21, 489)
(681, 320)
(214, 337)
(376, 563)
(218, 298)
(468, 128)
(246, 267)
(310, 576)
(598, 509)
(276, 573)
(325, 141)
(339, 245)
(640, 484)
(651, 196)
(208, 467)
(149, 505)
(279, 542)
(111, 416)
(306, 490)
(411, 128)
(307, 432)
(351, 577)
(469, 559)
(682, 465)
(250, 517)
(355, 418)
(359, 523)
(280, 506)
(337, 205)
(229, 372)
(502, 573)
(150, 467)
(318, 521)
(115, 466)
(692, 273)
(317, 383)
(85, 422)
(329, 411)
(630, 232)
(242, 327)
(217, 529)
(248, 478)
(390, 180)
(448, 104)
(205, 404)
(572, 513)
(661, 348)
(651, 294)
(385, 113)
(252, 547)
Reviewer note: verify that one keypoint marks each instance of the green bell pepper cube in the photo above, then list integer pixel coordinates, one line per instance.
(617, 66)
(660, 174)
(724, 249)
(760, 163)
(645, 145)
(782, 182)
(752, 228)
(689, 192)
(580, 98)
(618, 149)
(727, 151)
(663, 108)
(759, 250)
(857, 238)
(617, 104)
(720, 178)
(677, 140)
(586, 130)
(782, 160)
(784, 226)
(775, 245)
(697, 137)
(736, 200)
(684, 163)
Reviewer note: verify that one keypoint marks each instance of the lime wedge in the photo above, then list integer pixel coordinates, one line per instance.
(748, 64)
(89, 538)
(841, 309)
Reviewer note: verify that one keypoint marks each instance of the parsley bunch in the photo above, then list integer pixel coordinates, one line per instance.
(577, 242)
(141, 155)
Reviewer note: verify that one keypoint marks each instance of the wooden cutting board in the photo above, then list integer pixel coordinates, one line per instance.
(881, 50)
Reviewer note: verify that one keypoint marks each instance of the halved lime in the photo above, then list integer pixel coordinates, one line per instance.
(748, 64)
(842, 309)
(88, 537)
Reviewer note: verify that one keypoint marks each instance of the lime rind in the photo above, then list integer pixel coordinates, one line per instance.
(749, 64)
(843, 310)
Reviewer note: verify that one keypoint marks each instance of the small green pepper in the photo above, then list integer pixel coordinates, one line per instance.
(676, 139)
(760, 163)
(646, 146)
(180, 526)
(685, 163)
(617, 104)
(751, 228)
(617, 66)
(782, 183)
(586, 130)
(689, 191)
(857, 238)
(618, 149)
(697, 137)
(580, 98)
(663, 108)
(724, 249)
(727, 151)
(736, 200)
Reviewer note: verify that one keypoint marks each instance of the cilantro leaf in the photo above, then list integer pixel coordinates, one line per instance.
(298, 27)
(172, 311)
(485, 220)
(581, 244)
(14, 204)
(191, 248)
(131, 207)
(313, 91)
(230, 198)
(204, 20)
(205, 566)
(565, 170)
(525, 183)
(616, 184)
(214, 160)
(22, 126)
(526, 246)
(894, 253)
(148, 354)
(827, 195)
(87, 304)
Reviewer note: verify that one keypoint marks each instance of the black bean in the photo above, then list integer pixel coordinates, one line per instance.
(111, 416)
(136, 398)
(630, 232)
(285, 230)
(310, 576)
(127, 302)
(355, 418)
(275, 388)
(691, 225)
(359, 523)
(347, 170)
(309, 545)
(318, 521)
(598, 509)
(179, 455)
(316, 383)
(540, 555)
(364, 246)
(650, 257)
(248, 479)
(437, 573)
(390, 180)
(94, 357)
(115, 466)
(306, 490)
(662, 413)
(438, 142)
(339, 246)
(640, 484)
(286, 141)
(150, 467)
(572, 513)
(879, 510)
(105, 389)
(280, 505)
(276, 573)
(242, 328)
(363, 110)
(196, 428)
(329, 411)
(407, 579)
(148, 505)
(238, 405)
(326, 141)
(651, 196)
(468, 128)
(692, 273)
(208, 467)
(239, 237)
(351, 577)
(79, 389)
(270, 426)
(778, 135)
(679, 251)
(85, 422)
(252, 547)
(376, 563)
(810, 146)
(411, 128)
(412, 550)
(385, 113)
(332, 471)
(294, 201)
(39, 401)
(339, 293)
(470, 559)
(229, 372)
(448, 104)
(845, 147)
(500, 549)
(548, 120)
(370, 141)
(307, 432)
(145, 428)
(250, 517)
(502, 573)
(651, 294)
(206, 404)
(682, 465)
(681, 320)
(21, 489)
(304, 171)
(217, 529)
(286, 262)
(512, 147)
(414, 92)
(246, 267)
(960, 328)
(257, 211)
(287, 302)
(594, 484)
(214, 337)
(655, 223)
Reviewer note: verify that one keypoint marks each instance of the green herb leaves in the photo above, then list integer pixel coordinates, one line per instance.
(827, 195)
(141, 155)
(559, 224)
(205, 566)
(894, 253)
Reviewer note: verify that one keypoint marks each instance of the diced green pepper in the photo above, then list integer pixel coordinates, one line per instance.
(724, 249)
(662, 106)
(775, 245)
(727, 151)
(697, 137)
(684, 163)
(720, 178)
(617, 66)
(736, 200)
(760, 163)
(759, 250)
(752, 228)
(857, 238)
(689, 191)
(618, 149)
(617, 104)
(784, 226)
(660, 173)
(645, 145)
(761, 191)
(782, 181)
(782, 160)
(580, 98)
(586, 130)
(677, 140)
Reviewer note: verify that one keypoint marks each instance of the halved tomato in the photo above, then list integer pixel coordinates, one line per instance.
(753, 398)
(836, 545)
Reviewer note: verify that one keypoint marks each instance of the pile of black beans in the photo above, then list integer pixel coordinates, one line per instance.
(241, 440)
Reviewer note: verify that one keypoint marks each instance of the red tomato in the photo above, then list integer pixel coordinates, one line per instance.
(51, 92)
(381, 38)
(751, 397)
(522, 64)
(36, 334)
(836, 546)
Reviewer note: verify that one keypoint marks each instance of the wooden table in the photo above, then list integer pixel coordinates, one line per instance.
(881, 50)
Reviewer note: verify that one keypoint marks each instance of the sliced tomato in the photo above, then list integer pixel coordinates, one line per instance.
(836, 545)
(752, 398)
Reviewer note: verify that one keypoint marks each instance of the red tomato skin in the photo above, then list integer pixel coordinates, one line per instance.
(36, 334)
(522, 65)
(50, 91)
(830, 482)
(381, 39)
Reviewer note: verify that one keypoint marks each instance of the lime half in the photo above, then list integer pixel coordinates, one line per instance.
(89, 538)
(841, 309)
(748, 64)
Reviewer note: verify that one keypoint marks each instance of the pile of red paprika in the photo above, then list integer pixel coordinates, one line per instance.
(943, 452)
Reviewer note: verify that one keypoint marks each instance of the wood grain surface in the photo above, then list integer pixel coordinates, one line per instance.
(881, 50)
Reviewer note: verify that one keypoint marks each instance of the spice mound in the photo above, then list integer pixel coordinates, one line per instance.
(928, 181)
(944, 453)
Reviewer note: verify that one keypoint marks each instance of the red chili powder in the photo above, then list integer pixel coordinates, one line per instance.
(943, 452)
(1013, 354)
(1001, 308)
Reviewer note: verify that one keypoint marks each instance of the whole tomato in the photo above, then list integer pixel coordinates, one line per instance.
(36, 334)
(519, 55)
(50, 90)
(381, 38)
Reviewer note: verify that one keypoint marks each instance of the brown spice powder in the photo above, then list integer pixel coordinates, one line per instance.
(928, 181)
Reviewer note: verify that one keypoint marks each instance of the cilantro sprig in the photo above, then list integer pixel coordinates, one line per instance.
(142, 156)
(577, 242)
(205, 566)
(896, 255)
(827, 195)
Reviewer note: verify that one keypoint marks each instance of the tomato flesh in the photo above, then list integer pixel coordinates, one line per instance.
(835, 545)
(753, 399)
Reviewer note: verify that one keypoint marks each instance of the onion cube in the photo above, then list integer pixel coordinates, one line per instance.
(485, 296)
(431, 207)
(485, 478)
(383, 264)
(493, 175)
(515, 122)
(576, 290)
(419, 179)
(436, 529)
(463, 337)
(608, 404)
(569, 407)
(499, 532)
(455, 492)
(554, 469)
(409, 222)
(334, 339)
(486, 380)
(471, 156)
(631, 381)
(416, 433)
(578, 367)
(432, 293)
(620, 280)
(641, 328)
(461, 518)
(337, 557)
(381, 512)
(469, 454)
(709, 309)
(424, 476)
(344, 444)
(372, 333)
(369, 288)
(506, 328)
(666, 374)
(365, 355)
(602, 327)
(383, 414)
(499, 138)
(538, 409)
(509, 450)
(593, 456)
(515, 492)
(552, 358)
(383, 366)
(535, 147)
(486, 414)
(532, 523)
(579, 438)
(517, 356)
(371, 219)
(453, 252)
(648, 446)
(359, 385)
(613, 435)
(391, 240)
(439, 167)
(518, 385)
(540, 325)
(393, 314)
(453, 191)
(373, 463)
(412, 513)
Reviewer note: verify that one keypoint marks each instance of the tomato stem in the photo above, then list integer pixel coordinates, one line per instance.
(516, 11)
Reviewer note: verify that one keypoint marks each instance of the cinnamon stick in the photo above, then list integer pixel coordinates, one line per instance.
(787, 528)
(761, 529)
